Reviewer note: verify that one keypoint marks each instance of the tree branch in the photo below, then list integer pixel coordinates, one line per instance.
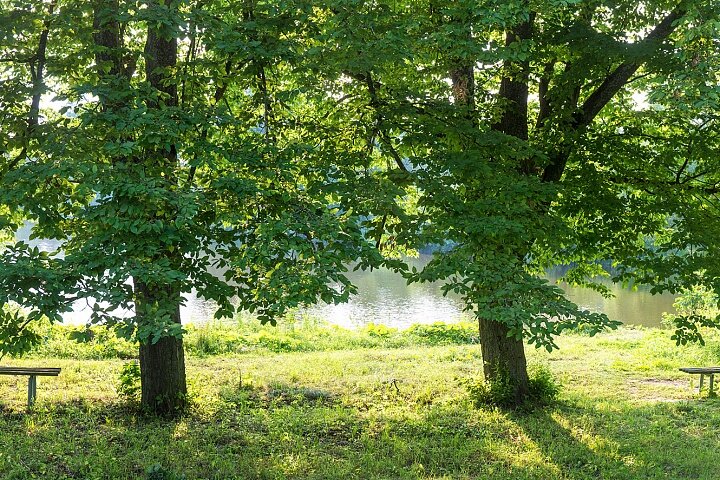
(543, 88)
(606, 91)
(37, 72)
(622, 74)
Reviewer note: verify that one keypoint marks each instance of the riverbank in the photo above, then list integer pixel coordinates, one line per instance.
(624, 412)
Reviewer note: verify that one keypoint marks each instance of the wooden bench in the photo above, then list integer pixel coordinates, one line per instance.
(702, 371)
(32, 373)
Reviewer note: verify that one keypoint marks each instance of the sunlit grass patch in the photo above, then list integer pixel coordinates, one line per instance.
(624, 412)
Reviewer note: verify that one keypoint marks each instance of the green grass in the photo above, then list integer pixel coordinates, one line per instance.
(397, 410)
(248, 335)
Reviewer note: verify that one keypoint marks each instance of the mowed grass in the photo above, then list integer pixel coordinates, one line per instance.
(624, 412)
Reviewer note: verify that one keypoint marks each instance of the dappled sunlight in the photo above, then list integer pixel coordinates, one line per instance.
(374, 413)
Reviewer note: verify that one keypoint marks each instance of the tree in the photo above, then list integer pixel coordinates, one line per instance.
(511, 132)
(276, 142)
(172, 145)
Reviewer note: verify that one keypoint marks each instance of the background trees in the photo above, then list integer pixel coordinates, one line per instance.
(274, 142)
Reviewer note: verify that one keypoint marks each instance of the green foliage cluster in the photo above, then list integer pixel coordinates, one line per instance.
(17, 335)
(543, 389)
(129, 382)
(158, 472)
(250, 151)
(281, 141)
(94, 343)
(696, 311)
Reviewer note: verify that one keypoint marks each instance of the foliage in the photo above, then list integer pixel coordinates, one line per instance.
(500, 392)
(95, 343)
(253, 150)
(129, 382)
(152, 187)
(440, 333)
(158, 472)
(247, 336)
(544, 388)
(17, 336)
(696, 308)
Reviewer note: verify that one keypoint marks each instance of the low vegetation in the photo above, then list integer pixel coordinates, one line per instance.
(248, 335)
(323, 402)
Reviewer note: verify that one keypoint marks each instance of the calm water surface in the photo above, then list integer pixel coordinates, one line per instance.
(385, 298)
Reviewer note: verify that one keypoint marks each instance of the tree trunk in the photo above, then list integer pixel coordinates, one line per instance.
(162, 376)
(162, 364)
(504, 356)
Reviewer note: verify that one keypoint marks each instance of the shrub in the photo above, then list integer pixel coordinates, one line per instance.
(543, 389)
(379, 330)
(440, 333)
(484, 393)
(129, 382)
(94, 343)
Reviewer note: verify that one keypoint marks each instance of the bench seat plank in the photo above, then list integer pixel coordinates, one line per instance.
(706, 370)
(46, 372)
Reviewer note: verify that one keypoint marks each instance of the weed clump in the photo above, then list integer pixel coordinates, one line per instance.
(158, 472)
(542, 386)
(129, 382)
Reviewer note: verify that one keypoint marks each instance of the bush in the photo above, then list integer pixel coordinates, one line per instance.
(440, 333)
(484, 393)
(129, 382)
(379, 330)
(543, 389)
(95, 343)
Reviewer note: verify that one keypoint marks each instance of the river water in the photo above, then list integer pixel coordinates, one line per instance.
(385, 298)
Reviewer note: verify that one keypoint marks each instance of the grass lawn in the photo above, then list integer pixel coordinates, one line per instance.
(624, 412)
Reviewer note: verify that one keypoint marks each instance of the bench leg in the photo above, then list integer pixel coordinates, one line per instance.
(712, 379)
(32, 390)
(702, 377)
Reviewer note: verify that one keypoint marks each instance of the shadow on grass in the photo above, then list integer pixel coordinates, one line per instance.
(285, 431)
(662, 440)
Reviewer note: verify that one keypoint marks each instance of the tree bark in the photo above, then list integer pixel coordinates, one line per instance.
(504, 356)
(162, 364)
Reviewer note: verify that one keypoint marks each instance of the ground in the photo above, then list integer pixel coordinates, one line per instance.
(624, 412)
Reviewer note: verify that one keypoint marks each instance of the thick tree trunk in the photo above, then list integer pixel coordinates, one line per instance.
(162, 364)
(504, 356)
(162, 376)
